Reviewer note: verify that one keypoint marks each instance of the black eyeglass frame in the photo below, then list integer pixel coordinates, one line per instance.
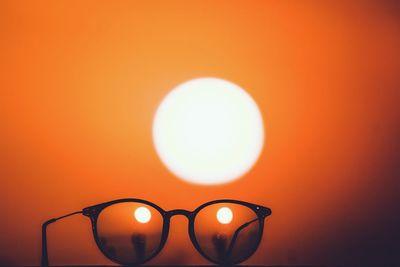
(94, 211)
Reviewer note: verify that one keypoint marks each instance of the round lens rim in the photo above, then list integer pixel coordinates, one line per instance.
(96, 210)
(255, 208)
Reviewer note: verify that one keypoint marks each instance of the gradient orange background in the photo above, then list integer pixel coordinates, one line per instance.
(80, 82)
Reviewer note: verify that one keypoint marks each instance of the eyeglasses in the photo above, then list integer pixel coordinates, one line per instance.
(133, 231)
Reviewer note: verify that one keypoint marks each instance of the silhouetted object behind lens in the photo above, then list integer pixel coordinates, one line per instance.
(139, 242)
(219, 242)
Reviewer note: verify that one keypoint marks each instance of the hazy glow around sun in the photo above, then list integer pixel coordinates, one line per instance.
(208, 131)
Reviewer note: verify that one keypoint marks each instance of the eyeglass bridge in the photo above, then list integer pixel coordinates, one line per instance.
(186, 213)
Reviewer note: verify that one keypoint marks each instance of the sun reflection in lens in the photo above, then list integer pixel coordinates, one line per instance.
(142, 215)
(224, 215)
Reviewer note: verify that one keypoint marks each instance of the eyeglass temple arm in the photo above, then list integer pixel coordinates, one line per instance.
(235, 235)
(45, 259)
(267, 212)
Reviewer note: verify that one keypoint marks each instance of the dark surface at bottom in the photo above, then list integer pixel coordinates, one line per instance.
(183, 266)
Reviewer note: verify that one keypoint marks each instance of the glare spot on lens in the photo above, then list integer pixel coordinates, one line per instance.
(142, 215)
(224, 215)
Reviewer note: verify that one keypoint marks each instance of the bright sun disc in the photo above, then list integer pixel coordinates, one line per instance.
(208, 131)
(142, 215)
(224, 215)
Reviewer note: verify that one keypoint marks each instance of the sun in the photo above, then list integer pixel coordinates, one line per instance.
(142, 215)
(208, 131)
(224, 215)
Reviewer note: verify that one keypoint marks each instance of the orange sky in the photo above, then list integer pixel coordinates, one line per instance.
(80, 83)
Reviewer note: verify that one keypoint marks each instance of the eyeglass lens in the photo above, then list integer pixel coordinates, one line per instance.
(129, 232)
(227, 232)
